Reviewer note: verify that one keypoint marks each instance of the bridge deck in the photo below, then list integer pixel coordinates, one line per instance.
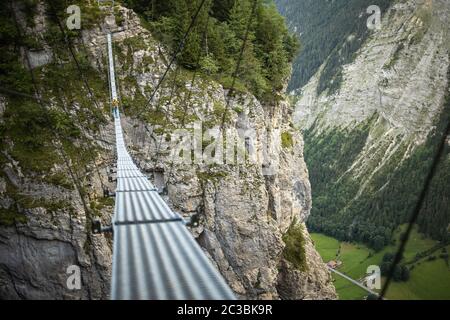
(154, 255)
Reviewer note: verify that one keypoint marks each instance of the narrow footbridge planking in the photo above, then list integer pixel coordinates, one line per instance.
(354, 282)
(154, 255)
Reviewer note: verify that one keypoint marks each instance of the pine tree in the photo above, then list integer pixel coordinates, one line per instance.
(221, 9)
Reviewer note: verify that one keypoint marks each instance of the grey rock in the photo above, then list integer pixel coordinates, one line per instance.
(242, 212)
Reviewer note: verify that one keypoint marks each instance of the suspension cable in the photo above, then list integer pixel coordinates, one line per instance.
(188, 98)
(83, 78)
(172, 92)
(247, 32)
(72, 53)
(91, 95)
(417, 208)
(177, 51)
(194, 76)
(23, 95)
(45, 114)
(238, 64)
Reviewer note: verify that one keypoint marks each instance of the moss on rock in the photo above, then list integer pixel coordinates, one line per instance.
(294, 251)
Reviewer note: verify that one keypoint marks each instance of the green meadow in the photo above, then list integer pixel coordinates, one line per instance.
(429, 274)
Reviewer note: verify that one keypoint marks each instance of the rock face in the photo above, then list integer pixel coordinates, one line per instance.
(243, 209)
(50, 229)
(308, 285)
(35, 255)
(400, 73)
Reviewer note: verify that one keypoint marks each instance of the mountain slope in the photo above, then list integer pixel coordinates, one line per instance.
(368, 144)
(324, 27)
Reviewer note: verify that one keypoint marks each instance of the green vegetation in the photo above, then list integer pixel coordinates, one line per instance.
(328, 247)
(211, 175)
(425, 15)
(59, 179)
(347, 290)
(429, 281)
(331, 32)
(215, 42)
(135, 43)
(429, 276)
(286, 140)
(22, 202)
(294, 251)
(401, 272)
(101, 203)
(328, 156)
(91, 14)
(42, 136)
(9, 217)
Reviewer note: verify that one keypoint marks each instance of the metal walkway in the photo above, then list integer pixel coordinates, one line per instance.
(154, 255)
(354, 281)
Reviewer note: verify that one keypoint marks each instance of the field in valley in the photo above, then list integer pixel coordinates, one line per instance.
(429, 276)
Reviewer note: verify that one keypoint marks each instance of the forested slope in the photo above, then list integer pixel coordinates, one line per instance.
(214, 44)
(325, 28)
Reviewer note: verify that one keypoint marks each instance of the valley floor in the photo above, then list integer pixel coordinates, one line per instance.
(429, 276)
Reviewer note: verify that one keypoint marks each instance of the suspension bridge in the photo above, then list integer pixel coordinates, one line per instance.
(154, 255)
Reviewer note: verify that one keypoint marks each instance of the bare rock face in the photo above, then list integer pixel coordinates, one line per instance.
(243, 210)
(400, 73)
(398, 79)
(51, 231)
(36, 254)
(296, 284)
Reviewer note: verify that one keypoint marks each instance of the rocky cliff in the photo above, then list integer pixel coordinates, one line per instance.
(250, 215)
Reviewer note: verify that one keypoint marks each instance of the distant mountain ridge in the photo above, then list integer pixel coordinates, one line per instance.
(323, 27)
(369, 140)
